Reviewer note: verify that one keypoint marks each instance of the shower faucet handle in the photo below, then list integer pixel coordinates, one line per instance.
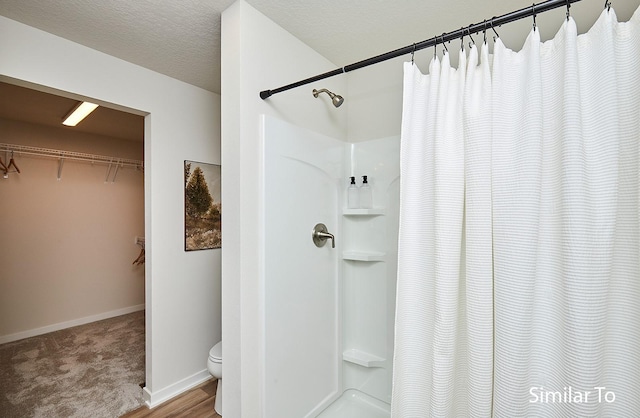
(325, 235)
(320, 235)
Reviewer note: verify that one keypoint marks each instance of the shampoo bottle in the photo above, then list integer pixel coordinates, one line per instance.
(366, 197)
(352, 194)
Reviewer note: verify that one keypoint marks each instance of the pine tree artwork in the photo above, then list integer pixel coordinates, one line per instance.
(202, 206)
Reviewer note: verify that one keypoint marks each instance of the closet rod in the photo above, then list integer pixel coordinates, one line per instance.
(495, 21)
(70, 155)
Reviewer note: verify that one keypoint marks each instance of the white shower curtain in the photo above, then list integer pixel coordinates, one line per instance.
(518, 271)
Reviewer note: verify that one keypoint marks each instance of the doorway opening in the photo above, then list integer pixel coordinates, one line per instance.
(73, 232)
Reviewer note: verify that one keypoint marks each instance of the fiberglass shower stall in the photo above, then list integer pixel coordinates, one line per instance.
(329, 312)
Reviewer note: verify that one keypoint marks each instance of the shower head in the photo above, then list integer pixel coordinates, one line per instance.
(336, 99)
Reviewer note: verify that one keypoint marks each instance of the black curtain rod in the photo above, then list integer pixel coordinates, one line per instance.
(495, 21)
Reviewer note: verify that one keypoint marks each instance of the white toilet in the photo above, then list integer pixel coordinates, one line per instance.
(214, 364)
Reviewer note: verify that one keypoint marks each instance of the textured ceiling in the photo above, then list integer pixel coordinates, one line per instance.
(182, 38)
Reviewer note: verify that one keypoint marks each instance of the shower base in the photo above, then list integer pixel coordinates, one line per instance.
(355, 404)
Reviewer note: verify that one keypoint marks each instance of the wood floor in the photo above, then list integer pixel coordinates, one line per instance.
(196, 403)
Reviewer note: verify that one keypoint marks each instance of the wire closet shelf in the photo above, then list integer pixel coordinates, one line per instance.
(71, 155)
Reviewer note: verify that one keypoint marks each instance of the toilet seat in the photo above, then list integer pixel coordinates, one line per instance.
(215, 354)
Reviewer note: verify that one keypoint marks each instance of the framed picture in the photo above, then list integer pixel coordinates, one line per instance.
(202, 206)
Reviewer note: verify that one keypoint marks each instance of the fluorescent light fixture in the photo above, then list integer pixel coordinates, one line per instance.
(78, 113)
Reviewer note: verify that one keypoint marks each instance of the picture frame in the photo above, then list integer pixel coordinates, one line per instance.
(202, 206)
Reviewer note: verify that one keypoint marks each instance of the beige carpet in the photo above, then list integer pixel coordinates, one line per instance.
(92, 370)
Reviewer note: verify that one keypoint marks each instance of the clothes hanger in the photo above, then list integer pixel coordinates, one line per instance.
(140, 259)
(12, 163)
(4, 167)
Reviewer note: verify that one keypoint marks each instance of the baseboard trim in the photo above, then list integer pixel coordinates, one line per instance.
(153, 399)
(68, 324)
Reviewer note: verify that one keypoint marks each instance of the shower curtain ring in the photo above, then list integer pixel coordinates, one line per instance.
(494, 30)
(607, 5)
(484, 31)
(568, 13)
(413, 52)
(473, 42)
(443, 44)
(533, 12)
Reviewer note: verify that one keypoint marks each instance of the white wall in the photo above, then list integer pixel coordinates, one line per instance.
(257, 55)
(374, 101)
(182, 289)
(68, 244)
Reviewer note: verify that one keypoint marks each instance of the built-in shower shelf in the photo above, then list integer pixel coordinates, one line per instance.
(362, 358)
(363, 212)
(363, 256)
